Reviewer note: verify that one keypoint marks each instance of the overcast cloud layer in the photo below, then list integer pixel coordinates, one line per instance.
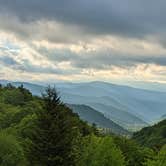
(81, 40)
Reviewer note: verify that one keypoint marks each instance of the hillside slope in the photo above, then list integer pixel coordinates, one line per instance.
(121, 117)
(154, 136)
(90, 115)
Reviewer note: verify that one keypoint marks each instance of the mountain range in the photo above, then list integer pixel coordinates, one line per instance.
(131, 108)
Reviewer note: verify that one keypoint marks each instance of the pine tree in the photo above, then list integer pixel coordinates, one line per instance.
(52, 144)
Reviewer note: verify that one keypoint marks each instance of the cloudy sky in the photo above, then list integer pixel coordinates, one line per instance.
(82, 40)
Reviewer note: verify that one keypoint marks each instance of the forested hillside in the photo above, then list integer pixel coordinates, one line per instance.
(131, 108)
(154, 136)
(42, 131)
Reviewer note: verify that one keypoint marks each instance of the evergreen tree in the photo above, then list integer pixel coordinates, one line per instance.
(27, 95)
(10, 86)
(52, 144)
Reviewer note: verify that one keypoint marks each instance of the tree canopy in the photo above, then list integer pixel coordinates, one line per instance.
(43, 131)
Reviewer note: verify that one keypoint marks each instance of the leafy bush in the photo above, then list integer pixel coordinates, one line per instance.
(11, 153)
(133, 153)
(159, 160)
(100, 151)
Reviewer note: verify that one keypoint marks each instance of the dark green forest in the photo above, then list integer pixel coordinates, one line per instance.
(43, 131)
(153, 136)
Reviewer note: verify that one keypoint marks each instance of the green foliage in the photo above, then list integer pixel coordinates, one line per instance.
(23, 120)
(154, 136)
(133, 153)
(11, 115)
(7, 115)
(56, 133)
(44, 131)
(11, 153)
(159, 160)
(100, 151)
(15, 96)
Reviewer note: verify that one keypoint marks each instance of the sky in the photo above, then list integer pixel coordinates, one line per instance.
(82, 40)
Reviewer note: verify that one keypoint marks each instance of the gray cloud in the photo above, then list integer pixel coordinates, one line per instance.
(72, 21)
(134, 18)
(107, 61)
(27, 66)
(30, 68)
(101, 60)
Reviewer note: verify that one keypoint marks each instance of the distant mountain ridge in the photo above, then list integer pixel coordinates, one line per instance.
(130, 99)
(154, 86)
(129, 107)
(90, 115)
